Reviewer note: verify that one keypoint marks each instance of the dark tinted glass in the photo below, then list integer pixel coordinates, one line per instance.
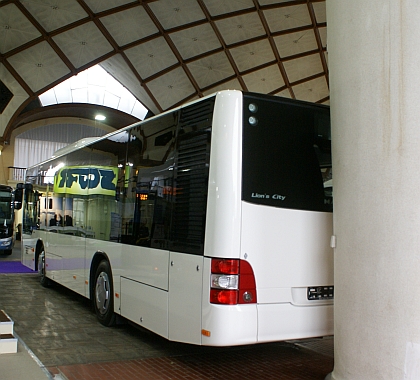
(165, 196)
(148, 185)
(286, 153)
(191, 177)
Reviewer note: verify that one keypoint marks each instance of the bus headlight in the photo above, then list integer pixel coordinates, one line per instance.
(6, 242)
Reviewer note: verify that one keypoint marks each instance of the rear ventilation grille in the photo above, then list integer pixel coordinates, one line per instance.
(197, 116)
(191, 197)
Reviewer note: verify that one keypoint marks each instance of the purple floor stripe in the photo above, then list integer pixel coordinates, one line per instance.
(13, 267)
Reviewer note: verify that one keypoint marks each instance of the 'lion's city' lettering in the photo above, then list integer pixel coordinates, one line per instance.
(277, 197)
(256, 195)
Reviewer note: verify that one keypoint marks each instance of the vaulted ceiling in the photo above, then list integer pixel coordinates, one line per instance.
(166, 52)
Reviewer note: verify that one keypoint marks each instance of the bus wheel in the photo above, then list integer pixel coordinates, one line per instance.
(103, 300)
(43, 279)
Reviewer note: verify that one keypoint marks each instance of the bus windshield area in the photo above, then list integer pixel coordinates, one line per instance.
(5, 207)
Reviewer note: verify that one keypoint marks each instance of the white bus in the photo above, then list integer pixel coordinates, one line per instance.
(7, 215)
(208, 224)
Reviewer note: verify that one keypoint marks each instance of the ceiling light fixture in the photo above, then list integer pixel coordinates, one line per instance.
(100, 117)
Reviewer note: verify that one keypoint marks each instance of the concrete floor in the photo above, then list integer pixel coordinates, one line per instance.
(61, 330)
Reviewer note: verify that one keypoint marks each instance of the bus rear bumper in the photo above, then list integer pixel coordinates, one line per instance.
(229, 325)
(287, 321)
(248, 324)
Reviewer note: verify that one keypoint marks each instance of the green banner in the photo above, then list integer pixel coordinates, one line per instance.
(86, 180)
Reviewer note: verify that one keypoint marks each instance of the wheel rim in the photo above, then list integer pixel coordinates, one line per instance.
(102, 293)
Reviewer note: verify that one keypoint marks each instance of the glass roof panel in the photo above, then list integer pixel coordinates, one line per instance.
(94, 86)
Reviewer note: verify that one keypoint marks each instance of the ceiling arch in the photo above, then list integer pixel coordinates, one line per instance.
(166, 52)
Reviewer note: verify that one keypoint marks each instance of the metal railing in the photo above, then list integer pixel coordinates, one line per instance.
(16, 174)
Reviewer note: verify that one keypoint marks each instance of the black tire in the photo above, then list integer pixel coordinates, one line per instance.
(103, 294)
(41, 268)
(7, 251)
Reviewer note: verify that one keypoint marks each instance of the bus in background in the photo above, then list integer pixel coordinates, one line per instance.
(208, 224)
(30, 206)
(7, 208)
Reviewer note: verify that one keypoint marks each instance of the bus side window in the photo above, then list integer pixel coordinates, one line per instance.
(148, 191)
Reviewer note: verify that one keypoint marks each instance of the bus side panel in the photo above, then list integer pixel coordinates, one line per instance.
(226, 325)
(185, 294)
(145, 305)
(140, 266)
(28, 251)
(29, 240)
(146, 265)
(285, 321)
(71, 249)
(223, 219)
(54, 266)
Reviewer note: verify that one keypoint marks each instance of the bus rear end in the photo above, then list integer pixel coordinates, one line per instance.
(269, 223)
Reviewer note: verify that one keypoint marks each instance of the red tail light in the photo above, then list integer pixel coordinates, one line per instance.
(225, 297)
(225, 266)
(232, 282)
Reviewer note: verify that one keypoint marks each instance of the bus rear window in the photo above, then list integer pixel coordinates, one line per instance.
(286, 154)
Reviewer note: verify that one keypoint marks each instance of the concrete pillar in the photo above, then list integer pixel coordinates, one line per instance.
(374, 62)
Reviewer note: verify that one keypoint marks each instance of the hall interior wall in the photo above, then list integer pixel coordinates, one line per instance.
(8, 150)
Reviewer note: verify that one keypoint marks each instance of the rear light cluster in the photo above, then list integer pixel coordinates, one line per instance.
(232, 282)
